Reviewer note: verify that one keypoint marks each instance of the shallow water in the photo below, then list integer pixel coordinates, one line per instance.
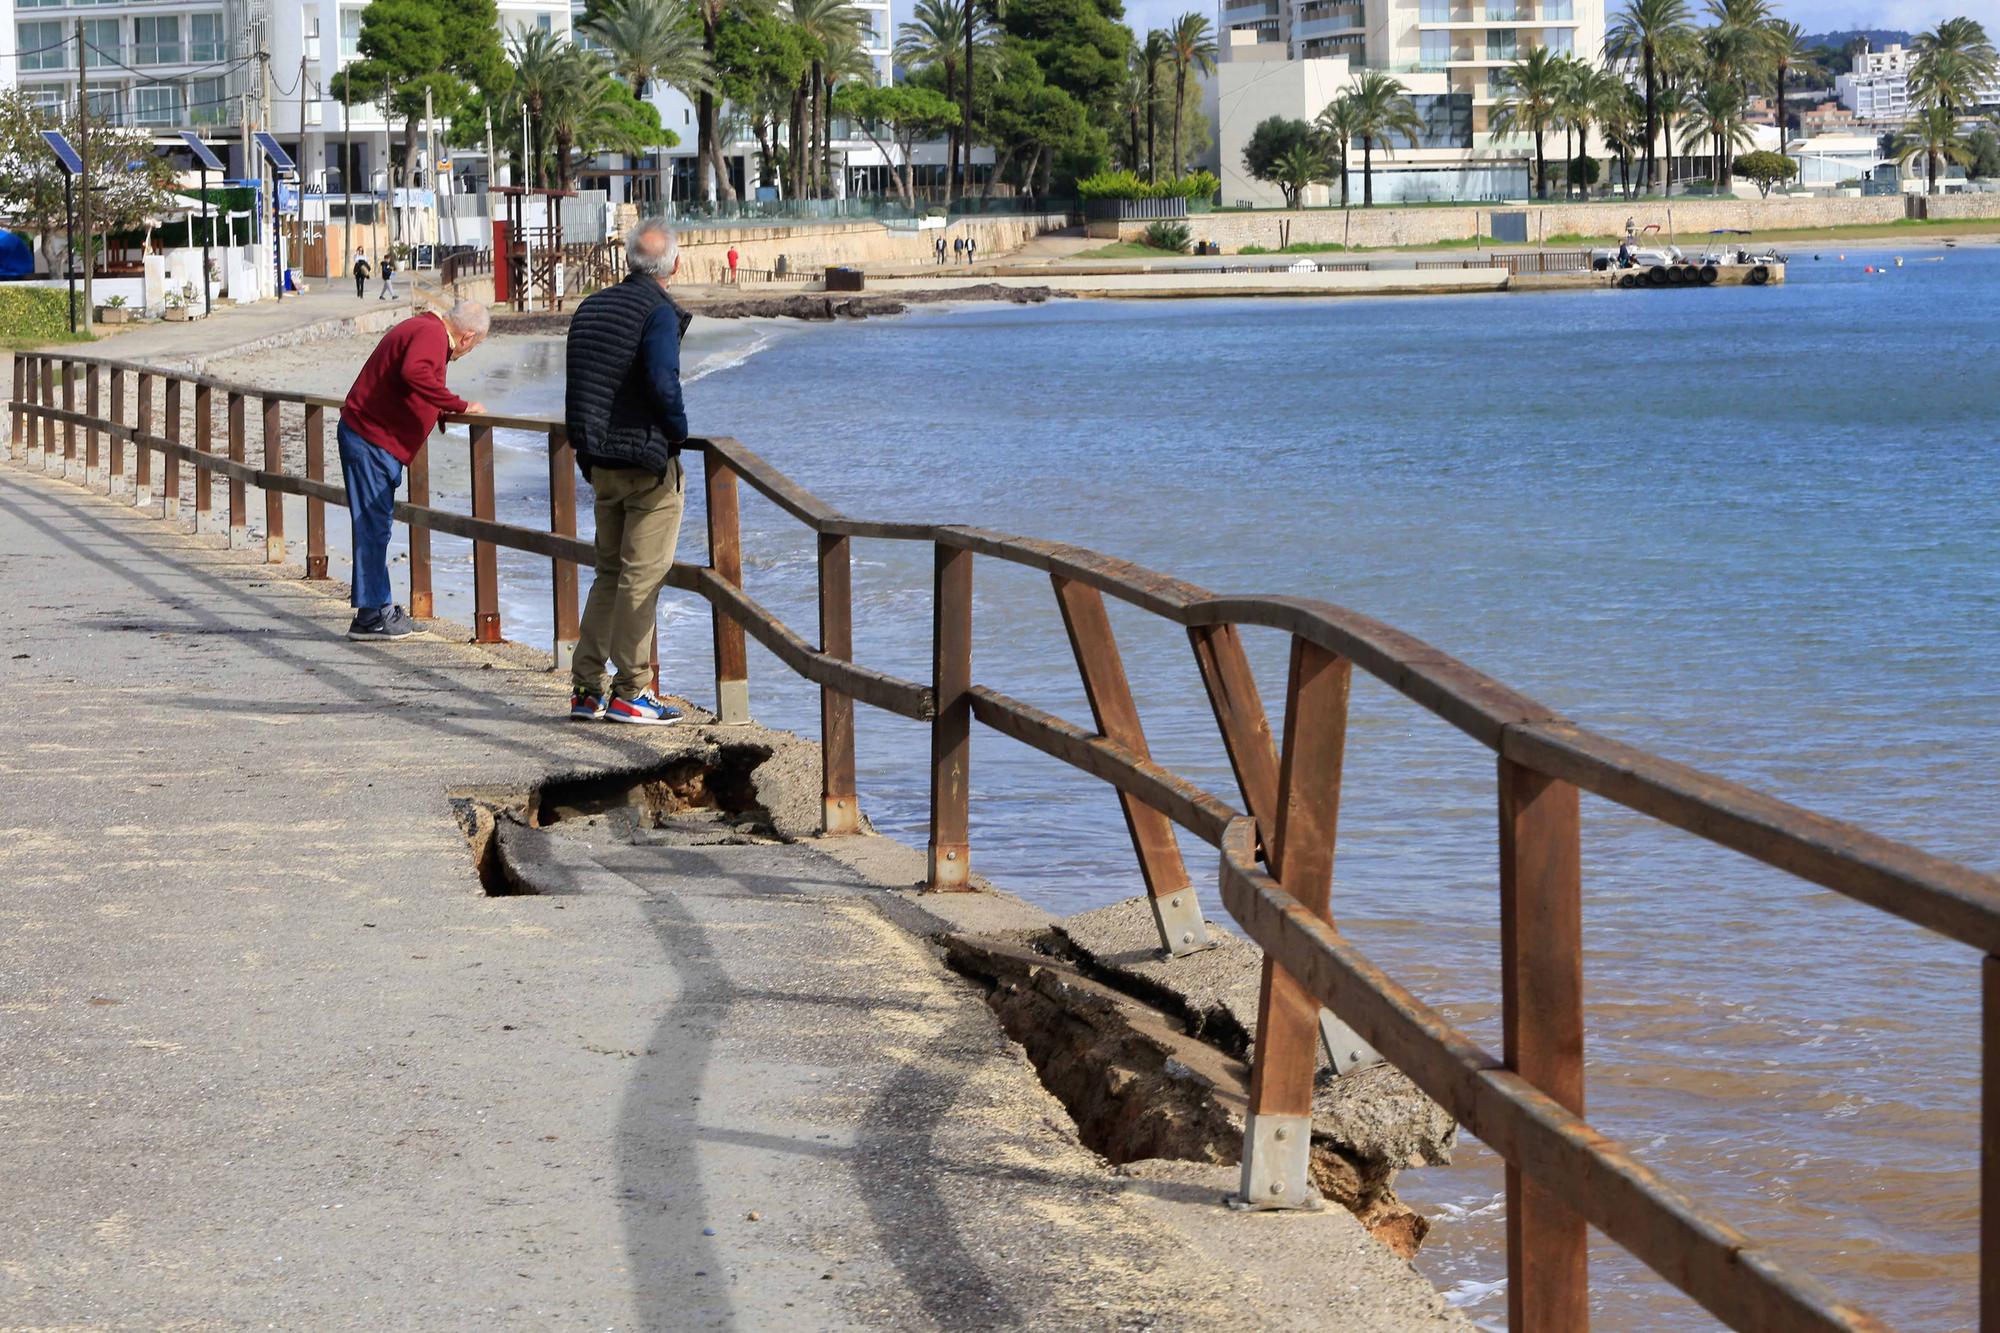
(1751, 529)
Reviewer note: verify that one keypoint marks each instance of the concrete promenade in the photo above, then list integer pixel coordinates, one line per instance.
(273, 1057)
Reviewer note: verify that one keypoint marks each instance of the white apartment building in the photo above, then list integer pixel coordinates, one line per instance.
(1452, 56)
(1878, 89)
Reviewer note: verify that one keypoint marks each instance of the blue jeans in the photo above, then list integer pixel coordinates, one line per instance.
(372, 475)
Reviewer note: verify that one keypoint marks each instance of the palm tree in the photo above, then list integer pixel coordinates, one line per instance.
(540, 73)
(1716, 114)
(648, 41)
(1674, 101)
(973, 19)
(934, 35)
(1338, 125)
(1153, 57)
(1643, 31)
(1303, 164)
(1381, 110)
(1787, 51)
(1132, 103)
(1953, 62)
(1933, 135)
(1532, 102)
(584, 119)
(827, 25)
(1622, 117)
(1739, 42)
(1190, 45)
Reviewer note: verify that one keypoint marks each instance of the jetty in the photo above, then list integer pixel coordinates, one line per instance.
(352, 988)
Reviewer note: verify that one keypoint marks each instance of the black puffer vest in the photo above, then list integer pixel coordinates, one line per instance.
(608, 407)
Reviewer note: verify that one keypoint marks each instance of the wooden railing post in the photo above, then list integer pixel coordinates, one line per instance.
(1989, 1145)
(1176, 906)
(485, 555)
(142, 452)
(93, 404)
(315, 429)
(69, 427)
(562, 522)
(117, 480)
(47, 398)
(1541, 1004)
(239, 517)
(725, 559)
(839, 811)
(170, 464)
(204, 443)
(17, 420)
(421, 605)
(951, 729)
(1277, 1138)
(27, 426)
(274, 500)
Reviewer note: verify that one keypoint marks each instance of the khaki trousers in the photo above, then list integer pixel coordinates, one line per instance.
(638, 526)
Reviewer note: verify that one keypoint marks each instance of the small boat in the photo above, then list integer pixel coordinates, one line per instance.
(1655, 265)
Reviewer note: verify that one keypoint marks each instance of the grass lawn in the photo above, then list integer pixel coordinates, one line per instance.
(9, 343)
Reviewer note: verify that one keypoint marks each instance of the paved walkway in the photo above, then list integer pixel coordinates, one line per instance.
(272, 1057)
(234, 329)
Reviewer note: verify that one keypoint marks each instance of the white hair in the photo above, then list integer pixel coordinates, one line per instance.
(469, 318)
(651, 248)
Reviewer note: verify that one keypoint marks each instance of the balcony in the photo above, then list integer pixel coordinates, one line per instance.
(1327, 25)
(159, 53)
(1474, 19)
(1260, 12)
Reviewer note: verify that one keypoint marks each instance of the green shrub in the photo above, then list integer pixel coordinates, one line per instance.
(1765, 169)
(1129, 185)
(1172, 236)
(33, 314)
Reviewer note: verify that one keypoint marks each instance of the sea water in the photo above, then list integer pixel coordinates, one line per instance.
(1754, 530)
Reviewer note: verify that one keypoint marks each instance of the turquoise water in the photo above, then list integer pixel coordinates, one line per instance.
(1754, 530)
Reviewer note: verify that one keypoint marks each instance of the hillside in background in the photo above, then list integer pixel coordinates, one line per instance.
(1877, 38)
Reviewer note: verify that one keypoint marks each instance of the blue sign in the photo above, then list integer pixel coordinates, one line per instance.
(71, 160)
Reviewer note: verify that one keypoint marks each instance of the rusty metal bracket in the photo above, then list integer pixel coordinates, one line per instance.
(1179, 920)
(1344, 1047)
(1277, 1150)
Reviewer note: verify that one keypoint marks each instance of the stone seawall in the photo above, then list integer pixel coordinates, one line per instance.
(1959, 205)
(1383, 227)
(813, 246)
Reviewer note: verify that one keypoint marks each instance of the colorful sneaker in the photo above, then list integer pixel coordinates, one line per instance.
(585, 707)
(646, 710)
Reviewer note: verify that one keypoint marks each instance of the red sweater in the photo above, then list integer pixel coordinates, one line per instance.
(399, 395)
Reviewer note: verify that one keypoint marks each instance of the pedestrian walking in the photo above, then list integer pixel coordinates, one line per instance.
(732, 265)
(361, 271)
(627, 421)
(388, 292)
(389, 413)
(957, 247)
(971, 246)
(938, 247)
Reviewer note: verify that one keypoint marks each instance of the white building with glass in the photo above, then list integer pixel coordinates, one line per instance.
(1451, 55)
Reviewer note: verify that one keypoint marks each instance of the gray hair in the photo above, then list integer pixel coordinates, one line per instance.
(652, 249)
(469, 318)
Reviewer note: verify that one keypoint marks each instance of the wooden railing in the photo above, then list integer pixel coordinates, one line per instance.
(1275, 848)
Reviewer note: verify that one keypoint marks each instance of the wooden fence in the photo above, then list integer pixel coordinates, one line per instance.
(1275, 847)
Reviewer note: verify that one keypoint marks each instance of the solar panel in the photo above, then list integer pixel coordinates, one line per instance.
(72, 162)
(279, 158)
(202, 152)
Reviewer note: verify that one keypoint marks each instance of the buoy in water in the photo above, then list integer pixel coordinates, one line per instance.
(1899, 261)
(1867, 268)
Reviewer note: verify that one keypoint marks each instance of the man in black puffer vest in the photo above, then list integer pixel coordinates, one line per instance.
(626, 421)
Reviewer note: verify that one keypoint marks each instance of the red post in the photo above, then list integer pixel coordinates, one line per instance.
(562, 522)
(204, 443)
(142, 453)
(725, 558)
(239, 506)
(69, 427)
(839, 810)
(117, 441)
(1541, 1015)
(421, 605)
(274, 500)
(170, 464)
(93, 470)
(315, 507)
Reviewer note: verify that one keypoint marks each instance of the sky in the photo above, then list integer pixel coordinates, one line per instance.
(1816, 15)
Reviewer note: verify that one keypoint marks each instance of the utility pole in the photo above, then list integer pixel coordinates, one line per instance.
(431, 161)
(299, 221)
(264, 124)
(492, 166)
(346, 165)
(83, 152)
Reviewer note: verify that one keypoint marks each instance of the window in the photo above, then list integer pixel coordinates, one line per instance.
(1560, 40)
(156, 104)
(544, 23)
(41, 45)
(350, 34)
(101, 39)
(205, 39)
(1447, 119)
(104, 101)
(51, 98)
(1501, 44)
(1435, 48)
(209, 102)
(39, 4)
(156, 41)
(1563, 10)
(1502, 11)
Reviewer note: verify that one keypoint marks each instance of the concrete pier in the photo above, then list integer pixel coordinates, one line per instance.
(274, 1056)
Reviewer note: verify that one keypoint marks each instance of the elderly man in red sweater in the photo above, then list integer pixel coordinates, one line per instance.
(389, 413)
